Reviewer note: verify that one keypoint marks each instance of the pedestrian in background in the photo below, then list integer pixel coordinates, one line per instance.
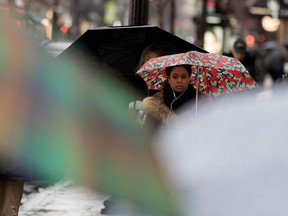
(248, 59)
(150, 51)
(135, 107)
(13, 175)
(274, 58)
(11, 191)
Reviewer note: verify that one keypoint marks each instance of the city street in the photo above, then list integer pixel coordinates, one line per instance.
(62, 198)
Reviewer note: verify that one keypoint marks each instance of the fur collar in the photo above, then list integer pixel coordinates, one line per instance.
(156, 107)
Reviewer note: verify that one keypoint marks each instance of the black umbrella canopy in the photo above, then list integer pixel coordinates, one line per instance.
(120, 47)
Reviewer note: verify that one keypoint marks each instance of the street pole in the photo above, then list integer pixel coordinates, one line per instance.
(172, 18)
(76, 10)
(204, 24)
(55, 28)
(139, 10)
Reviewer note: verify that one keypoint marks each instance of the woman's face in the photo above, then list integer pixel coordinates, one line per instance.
(150, 55)
(179, 79)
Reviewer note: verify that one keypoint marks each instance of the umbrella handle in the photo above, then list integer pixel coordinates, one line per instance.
(197, 94)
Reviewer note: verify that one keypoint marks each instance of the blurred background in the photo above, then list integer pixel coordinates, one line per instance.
(211, 24)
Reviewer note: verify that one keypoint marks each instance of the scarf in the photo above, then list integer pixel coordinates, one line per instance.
(187, 96)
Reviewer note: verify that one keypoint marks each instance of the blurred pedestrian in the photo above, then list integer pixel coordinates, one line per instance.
(248, 59)
(274, 59)
(13, 174)
(150, 51)
(11, 191)
(135, 106)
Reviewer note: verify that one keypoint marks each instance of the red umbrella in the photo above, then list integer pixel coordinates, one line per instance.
(211, 73)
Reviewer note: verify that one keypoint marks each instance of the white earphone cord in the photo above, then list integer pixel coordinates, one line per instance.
(176, 98)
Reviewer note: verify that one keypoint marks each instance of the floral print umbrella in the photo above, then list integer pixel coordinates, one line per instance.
(211, 73)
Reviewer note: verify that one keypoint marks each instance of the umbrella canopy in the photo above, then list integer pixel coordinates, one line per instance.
(120, 47)
(241, 172)
(211, 73)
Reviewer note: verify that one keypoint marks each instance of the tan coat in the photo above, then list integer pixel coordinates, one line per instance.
(156, 107)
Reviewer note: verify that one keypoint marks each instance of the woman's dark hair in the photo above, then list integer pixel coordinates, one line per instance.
(169, 69)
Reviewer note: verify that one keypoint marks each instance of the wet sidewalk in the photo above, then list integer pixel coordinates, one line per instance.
(62, 199)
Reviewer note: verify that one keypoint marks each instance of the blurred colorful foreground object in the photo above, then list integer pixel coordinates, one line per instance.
(59, 120)
(211, 73)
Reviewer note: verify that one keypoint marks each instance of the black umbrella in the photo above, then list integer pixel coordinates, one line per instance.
(120, 47)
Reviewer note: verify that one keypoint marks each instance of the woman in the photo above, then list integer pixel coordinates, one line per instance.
(135, 106)
(139, 85)
(177, 91)
(151, 51)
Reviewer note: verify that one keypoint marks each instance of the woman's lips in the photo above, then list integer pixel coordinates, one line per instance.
(179, 87)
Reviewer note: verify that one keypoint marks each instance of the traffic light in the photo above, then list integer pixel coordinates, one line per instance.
(250, 40)
(63, 28)
(210, 6)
